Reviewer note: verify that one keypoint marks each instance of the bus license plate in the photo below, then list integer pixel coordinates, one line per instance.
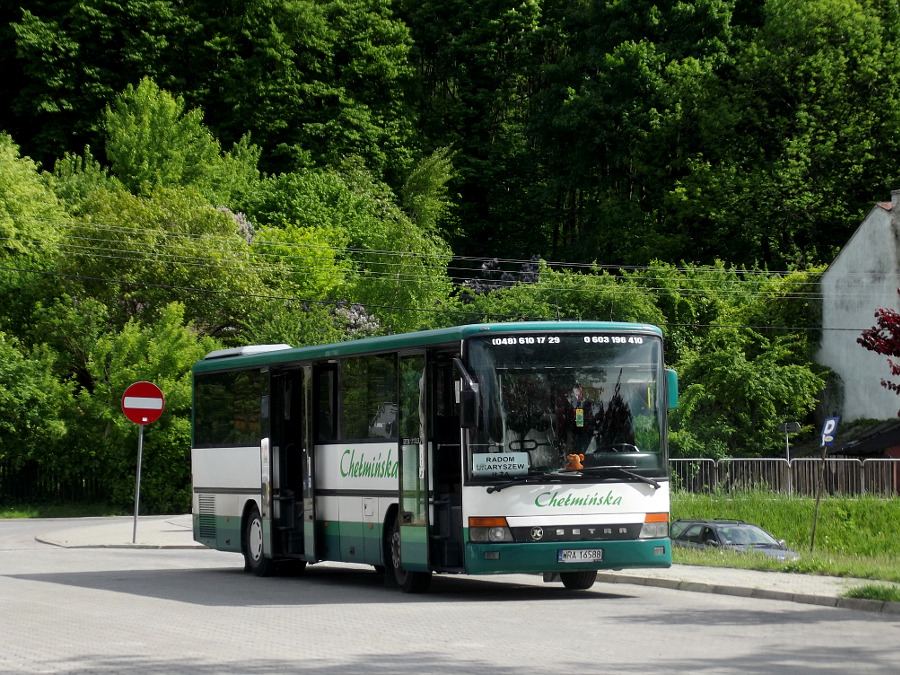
(580, 555)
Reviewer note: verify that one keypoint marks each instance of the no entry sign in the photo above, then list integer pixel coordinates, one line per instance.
(143, 402)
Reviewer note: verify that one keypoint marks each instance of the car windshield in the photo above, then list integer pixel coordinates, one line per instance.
(746, 535)
(568, 401)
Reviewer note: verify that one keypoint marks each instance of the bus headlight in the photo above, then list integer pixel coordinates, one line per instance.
(490, 530)
(656, 526)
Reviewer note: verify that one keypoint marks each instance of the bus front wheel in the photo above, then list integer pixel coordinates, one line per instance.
(254, 559)
(409, 582)
(578, 581)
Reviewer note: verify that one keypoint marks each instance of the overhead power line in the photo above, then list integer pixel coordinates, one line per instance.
(375, 306)
(100, 243)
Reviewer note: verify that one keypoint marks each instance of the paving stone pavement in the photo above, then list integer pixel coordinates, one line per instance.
(176, 532)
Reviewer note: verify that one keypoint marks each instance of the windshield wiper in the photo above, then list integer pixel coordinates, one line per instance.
(622, 471)
(565, 475)
(529, 478)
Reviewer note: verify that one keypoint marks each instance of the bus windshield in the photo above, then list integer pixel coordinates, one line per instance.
(567, 402)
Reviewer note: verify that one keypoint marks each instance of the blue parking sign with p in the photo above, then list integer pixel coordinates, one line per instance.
(829, 429)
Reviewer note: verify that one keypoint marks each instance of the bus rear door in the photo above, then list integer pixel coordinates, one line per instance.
(413, 469)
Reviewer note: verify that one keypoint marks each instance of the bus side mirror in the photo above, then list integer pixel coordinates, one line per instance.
(469, 397)
(672, 380)
(469, 406)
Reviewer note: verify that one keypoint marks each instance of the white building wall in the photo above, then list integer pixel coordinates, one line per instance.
(864, 277)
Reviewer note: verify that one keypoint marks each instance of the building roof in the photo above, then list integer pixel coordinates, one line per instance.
(873, 441)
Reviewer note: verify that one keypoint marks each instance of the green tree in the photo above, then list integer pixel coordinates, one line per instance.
(697, 299)
(151, 141)
(76, 55)
(32, 225)
(162, 353)
(302, 266)
(478, 65)
(390, 266)
(400, 270)
(138, 253)
(594, 295)
(32, 403)
(735, 393)
(615, 119)
(425, 196)
(312, 81)
(799, 135)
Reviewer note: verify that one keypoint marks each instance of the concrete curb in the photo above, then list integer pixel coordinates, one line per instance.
(760, 593)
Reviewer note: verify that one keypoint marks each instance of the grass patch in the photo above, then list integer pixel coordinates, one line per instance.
(876, 568)
(59, 511)
(854, 537)
(874, 592)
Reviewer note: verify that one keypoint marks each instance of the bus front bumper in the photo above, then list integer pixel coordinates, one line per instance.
(538, 557)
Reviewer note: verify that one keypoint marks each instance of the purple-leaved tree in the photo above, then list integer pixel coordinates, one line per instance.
(884, 338)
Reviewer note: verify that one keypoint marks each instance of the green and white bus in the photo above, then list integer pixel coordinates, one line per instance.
(531, 447)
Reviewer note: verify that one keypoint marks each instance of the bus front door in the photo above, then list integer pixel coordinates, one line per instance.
(287, 460)
(413, 506)
(320, 404)
(413, 466)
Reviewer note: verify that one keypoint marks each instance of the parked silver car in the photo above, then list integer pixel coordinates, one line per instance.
(734, 535)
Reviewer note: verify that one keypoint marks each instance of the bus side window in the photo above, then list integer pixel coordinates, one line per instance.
(446, 409)
(325, 404)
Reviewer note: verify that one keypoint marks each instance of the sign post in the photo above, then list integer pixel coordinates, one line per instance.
(829, 429)
(142, 403)
(788, 428)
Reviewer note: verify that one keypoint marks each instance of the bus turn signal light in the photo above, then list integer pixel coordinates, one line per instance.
(656, 526)
(488, 522)
(490, 530)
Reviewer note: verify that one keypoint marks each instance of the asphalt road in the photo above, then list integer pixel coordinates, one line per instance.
(184, 610)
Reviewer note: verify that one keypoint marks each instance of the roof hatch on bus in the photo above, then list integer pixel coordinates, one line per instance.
(245, 351)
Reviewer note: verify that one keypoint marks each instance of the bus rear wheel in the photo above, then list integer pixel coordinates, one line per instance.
(254, 559)
(409, 582)
(578, 581)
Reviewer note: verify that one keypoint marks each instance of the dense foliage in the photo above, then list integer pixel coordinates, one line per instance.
(177, 176)
(754, 131)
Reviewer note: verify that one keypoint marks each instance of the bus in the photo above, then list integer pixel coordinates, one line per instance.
(523, 447)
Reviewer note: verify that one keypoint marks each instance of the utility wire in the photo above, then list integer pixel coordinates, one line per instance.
(424, 310)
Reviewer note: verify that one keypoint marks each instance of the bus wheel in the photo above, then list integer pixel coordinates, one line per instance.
(254, 559)
(409, 582)
(578, 581)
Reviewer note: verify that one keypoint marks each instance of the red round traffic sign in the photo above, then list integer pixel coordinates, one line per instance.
(143, 402)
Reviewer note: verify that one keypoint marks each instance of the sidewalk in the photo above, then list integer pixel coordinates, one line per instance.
(176, 532)
(809, 589)
(119, 532)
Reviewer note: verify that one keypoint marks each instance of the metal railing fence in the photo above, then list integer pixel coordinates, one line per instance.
(800, 476)
(33, 484)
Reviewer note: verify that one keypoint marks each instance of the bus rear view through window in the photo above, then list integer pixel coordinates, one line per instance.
(533, 447)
